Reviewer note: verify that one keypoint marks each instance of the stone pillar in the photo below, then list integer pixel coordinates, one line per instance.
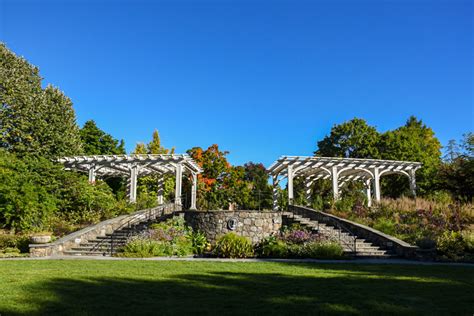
(335, 183)
(275, 193)
(160, 192)
(193, 192)
(290, 185)
(377, 184)
(178, 187)
(413, 182)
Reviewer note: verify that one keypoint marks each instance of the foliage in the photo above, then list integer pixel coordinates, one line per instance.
(457, 171)
(97, 142)
(199, 242)
(34, 120)
(323, 250)
(168, 238)
(352, 139)
(412, 142)
(19, 242)
(425, 222)
(272, 247)
(231, 245)
(144, 248)
(450, 244)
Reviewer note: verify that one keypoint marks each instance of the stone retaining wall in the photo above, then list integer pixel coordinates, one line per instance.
(255, 225)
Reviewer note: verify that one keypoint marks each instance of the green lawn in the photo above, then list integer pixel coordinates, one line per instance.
(176, 287)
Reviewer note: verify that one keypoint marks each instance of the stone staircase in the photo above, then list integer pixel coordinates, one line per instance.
(352, 245)
(109, 244)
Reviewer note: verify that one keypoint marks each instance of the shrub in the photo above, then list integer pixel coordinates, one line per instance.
(232, 246)
(19, 242)
(143, 248)
(450, 244)
(272, 247)
(426, 243)
(323, 250)
(198, 241)
(385, 225)
(468, 240)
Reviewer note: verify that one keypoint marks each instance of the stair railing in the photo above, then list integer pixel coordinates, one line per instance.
(350, 241)
(140, 217)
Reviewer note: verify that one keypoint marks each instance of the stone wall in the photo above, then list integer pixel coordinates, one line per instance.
(255, 225)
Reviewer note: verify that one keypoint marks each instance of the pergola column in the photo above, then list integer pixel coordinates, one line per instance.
(92, 174)
(413, 182)
(178, 187)
(160, 192)
(275, 193)
(132, 184)
(290, 185)
(307, 190)
(377, 184)
(368, 192)
(335, 183)
(193, 192)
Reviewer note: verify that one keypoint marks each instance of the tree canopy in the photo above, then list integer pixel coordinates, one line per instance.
(34, 120)
(97, 142)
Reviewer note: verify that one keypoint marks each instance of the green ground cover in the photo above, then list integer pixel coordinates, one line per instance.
(179, 287)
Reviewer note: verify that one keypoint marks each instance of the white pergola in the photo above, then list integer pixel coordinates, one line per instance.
(340, 170)
(134, 166)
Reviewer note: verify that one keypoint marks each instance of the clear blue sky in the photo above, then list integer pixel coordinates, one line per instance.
(259, 78)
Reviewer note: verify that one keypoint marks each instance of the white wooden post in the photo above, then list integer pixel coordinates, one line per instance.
(290, 185)
(413, 182)
(161, 181)
(193, 192)
(377, 184)
(92, 174)
(335, 183)
(307, 185)
(179, 178)
(368, 192)
(275, 193)
(132, 184)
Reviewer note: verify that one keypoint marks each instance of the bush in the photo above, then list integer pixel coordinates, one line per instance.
(19, 242)
(450, 244)
(323, 250)
(272, 247)
(144, 248)
(198, 241)
(232, 246)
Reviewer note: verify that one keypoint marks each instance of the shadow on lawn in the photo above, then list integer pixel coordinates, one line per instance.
(343, 291)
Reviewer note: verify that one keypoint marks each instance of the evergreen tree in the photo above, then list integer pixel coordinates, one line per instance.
(34, 120)
(97, 142)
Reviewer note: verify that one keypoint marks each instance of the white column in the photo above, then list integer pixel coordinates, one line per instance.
(160, 192)
(132, 184)
(368, 192)
(179, 178)
(193, 192)
(275, 193)
(290, 185)
(92, 174)
(335, 183)
(413, 182)
(307, 187)
(377, 184)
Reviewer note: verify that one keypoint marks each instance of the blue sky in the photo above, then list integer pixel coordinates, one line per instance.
(259, 78)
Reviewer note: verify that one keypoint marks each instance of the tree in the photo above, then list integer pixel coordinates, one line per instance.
(412, 142)
(97, 142)
(261, 196)
(34, 120)
(457, 172)
(214, 184)
(351, 139)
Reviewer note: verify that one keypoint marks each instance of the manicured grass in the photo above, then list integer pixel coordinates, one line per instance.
(176, 287)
